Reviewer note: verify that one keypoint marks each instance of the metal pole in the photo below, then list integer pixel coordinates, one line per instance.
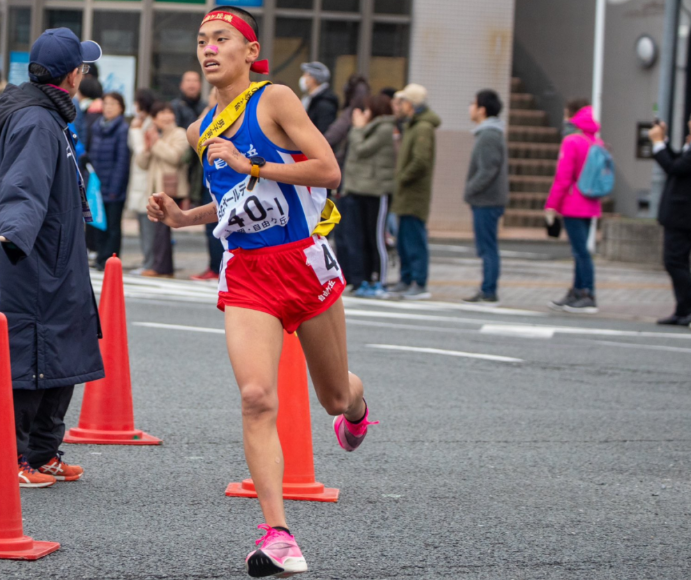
(665, 99)
(599, 57)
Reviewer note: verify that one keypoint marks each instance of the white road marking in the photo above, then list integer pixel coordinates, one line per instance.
(349, 301)
(643, 346)
(517, 328)
(517, 331)
(411, 327)
(179, 327)
(490, 357)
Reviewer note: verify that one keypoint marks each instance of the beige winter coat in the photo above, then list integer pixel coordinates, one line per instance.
(138, 188)
(167, 164)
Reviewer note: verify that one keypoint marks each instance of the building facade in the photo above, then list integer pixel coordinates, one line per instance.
(453, 47)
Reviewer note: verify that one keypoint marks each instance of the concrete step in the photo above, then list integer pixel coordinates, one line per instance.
(534, 134)
(528, 117)
(534, 218)
(539, 167)
(522, 101)
(530, 183)
(521, 150)
(524, 200)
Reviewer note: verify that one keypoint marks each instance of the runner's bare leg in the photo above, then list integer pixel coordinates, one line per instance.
(255, 341)
(323, 339)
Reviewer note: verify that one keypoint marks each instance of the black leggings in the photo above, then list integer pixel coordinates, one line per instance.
(370, 259)
(110, 241)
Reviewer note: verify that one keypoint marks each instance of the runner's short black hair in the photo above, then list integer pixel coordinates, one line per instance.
(246, 16)
(490, 100)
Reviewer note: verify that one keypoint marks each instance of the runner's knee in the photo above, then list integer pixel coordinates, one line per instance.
(258, 399)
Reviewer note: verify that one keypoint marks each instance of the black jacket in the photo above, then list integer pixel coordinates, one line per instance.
(187, 111)
(45, 289)
(675, 204)
(323, 109)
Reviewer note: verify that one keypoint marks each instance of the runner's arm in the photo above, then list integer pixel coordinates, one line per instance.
(162, 208)
(321, 168)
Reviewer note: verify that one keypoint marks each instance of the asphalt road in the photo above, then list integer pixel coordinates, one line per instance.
(562, 451)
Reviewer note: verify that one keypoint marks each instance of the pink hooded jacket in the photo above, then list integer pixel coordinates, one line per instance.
(565, 197)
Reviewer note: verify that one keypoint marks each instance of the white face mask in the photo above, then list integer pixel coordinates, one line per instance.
(303, 85)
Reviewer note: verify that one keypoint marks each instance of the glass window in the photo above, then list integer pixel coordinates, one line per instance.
(117, 32)
(291, 48)
(389, 63)
(308, 4)
(174, 50)
(20, 29)
(338, 50)
(392, 6)
(71, 19)
(341, 5)
(19, 44)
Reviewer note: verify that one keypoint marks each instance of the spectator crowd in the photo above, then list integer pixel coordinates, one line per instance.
(384, 143)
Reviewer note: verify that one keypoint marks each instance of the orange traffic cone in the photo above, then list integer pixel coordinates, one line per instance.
(294, 431)
(107, 416)
(14, 545)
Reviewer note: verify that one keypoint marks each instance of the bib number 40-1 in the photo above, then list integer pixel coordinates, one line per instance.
(320, 257)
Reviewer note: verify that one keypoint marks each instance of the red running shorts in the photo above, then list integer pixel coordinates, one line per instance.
(293, 282)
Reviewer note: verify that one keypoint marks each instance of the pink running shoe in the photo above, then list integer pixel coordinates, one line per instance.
(351, 435)
(278, 555)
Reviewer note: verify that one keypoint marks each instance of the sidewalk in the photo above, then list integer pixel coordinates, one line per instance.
(529, 280)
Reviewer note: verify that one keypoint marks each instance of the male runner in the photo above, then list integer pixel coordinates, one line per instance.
(267, 167)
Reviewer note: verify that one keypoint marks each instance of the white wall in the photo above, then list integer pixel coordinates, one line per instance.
(458, 47)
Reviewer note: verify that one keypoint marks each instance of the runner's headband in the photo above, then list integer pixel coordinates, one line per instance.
(259, 66)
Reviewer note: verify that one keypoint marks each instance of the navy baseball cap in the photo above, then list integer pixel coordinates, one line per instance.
(59, 51)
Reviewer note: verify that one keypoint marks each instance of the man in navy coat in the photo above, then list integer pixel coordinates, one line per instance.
(45, 289)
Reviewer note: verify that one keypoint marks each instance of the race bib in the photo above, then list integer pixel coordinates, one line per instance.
(320, 257)
(251, 212)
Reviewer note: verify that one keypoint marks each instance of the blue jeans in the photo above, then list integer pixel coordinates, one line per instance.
(486, 224)
(413, 250)
(578, 230)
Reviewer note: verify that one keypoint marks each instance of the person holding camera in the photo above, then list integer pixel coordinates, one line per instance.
(45, 290)
(674, 215)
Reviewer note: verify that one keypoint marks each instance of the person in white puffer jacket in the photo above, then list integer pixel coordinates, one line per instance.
(137, 190)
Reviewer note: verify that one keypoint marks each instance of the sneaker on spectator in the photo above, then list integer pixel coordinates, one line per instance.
(559, 304)
(481, 299)
(208, 274)
(137, 271)
(29, 477)
(362, 291)
(398, 288)
(376, 290)
(416, 292)
(583, 302)
(61, 470)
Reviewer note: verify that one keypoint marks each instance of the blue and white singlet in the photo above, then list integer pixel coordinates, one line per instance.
(273, 213)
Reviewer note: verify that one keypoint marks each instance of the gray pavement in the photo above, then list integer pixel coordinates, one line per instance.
(570, 462)
(533, 273)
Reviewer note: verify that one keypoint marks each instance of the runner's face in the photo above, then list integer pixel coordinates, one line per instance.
(223, 52)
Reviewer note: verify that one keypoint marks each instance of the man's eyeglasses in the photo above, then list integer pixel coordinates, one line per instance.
(85, 68)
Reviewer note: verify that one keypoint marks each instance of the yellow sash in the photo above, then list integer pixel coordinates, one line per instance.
(330, 218)
(330, 215)
(227, 117)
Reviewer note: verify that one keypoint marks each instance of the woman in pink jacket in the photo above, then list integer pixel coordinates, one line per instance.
(578, 211)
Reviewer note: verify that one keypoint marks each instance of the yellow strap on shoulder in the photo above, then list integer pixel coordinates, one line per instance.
(227, 117)
(330, 218)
